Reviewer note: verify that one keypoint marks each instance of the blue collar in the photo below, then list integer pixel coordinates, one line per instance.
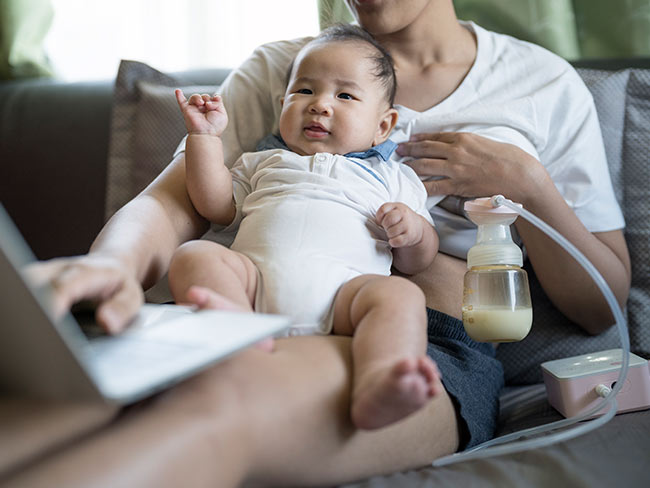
(382, 151)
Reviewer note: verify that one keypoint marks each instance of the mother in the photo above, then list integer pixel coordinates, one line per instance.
(281, 417)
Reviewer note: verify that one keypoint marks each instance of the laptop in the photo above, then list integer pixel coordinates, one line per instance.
(56, 359)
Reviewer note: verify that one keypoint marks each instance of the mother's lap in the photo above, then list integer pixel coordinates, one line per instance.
(294, 403)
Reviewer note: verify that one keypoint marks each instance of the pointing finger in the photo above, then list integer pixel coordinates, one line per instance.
(180, 97)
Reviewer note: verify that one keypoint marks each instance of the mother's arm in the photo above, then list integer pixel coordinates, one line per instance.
(475, 166)
(131, 252)
(566, 283)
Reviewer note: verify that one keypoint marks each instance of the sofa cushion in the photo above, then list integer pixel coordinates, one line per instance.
(636, 202)
(53, 153)
(146, 127)
(553, 336)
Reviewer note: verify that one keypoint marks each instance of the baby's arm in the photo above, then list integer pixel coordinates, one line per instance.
(208, 181)
(414, 240)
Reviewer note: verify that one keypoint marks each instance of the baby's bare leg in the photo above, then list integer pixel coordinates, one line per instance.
(393, 376)
(205, 263)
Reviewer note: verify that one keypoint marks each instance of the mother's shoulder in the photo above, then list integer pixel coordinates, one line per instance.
(285, 49)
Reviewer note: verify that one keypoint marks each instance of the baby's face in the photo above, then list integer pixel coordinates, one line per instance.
(333, 102)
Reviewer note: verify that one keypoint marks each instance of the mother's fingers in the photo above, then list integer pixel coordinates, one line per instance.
(429, 167)
(58, 276)
(75, 282)
(72, 280)
(444, 186)
(447, 137)
(40, 273)
(115, 312)
(424, 149)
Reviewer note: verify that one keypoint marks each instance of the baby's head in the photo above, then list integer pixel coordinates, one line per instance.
(339, 96)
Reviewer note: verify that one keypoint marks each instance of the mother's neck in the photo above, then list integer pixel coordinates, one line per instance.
(432, 56)
(435, 37)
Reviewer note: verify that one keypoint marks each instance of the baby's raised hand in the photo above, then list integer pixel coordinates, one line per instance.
(404, 227)
(203, 114)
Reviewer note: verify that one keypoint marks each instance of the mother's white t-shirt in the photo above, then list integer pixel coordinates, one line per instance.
(516, 92)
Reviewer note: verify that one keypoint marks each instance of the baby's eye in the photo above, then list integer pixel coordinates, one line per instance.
(345, 96)
(304, 91)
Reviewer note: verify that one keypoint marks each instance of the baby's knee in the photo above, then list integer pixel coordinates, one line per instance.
(187, 255)
(190, 261)
(392, 292)
(403, 291)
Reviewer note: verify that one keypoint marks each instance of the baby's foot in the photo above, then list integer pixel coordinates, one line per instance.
(395, 392)
(204, 298)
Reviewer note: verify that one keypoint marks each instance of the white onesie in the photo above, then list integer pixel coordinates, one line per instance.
(308, 224)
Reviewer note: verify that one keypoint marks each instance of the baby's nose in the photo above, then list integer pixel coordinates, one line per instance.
(320, 106)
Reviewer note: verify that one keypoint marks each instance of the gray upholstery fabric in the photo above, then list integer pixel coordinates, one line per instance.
(53, 146)
(615, 454)
(636, 176)
(158, 129)
(609, 92)
(553, 336)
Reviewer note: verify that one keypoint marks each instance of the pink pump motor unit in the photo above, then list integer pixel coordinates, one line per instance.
(571, 382)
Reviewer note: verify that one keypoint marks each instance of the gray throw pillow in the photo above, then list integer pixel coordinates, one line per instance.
(609, 91)
(636, 204)
(146, 127)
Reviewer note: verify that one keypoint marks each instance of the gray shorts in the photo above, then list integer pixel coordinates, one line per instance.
(471, 375)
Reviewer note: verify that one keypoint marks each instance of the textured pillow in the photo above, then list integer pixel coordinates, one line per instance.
(146, 127)
(636, 203)
(553, 336)
(609, 91)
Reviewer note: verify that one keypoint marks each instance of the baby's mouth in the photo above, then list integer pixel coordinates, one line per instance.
(316, 130)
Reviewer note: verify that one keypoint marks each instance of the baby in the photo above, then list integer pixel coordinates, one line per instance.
(322, 216)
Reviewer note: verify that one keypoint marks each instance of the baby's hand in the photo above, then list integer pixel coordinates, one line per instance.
(203, 114)
(403, 226)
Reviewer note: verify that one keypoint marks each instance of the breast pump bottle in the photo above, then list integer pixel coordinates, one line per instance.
(496, 296)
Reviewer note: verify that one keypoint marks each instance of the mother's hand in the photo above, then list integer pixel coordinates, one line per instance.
(99, 279)
(472, 165)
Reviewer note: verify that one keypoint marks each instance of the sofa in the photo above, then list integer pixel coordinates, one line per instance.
(72, 153)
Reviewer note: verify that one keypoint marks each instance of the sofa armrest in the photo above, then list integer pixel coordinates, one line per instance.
(54, 150)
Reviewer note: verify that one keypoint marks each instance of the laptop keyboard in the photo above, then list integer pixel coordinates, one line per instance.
(86, 321)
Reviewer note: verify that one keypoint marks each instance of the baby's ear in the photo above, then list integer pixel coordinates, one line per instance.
(282, 102)
(386, 124)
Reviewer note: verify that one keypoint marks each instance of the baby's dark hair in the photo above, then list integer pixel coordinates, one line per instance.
(384, 69)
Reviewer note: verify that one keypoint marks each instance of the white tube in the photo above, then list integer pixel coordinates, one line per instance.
(481, 451)
(494, 447)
